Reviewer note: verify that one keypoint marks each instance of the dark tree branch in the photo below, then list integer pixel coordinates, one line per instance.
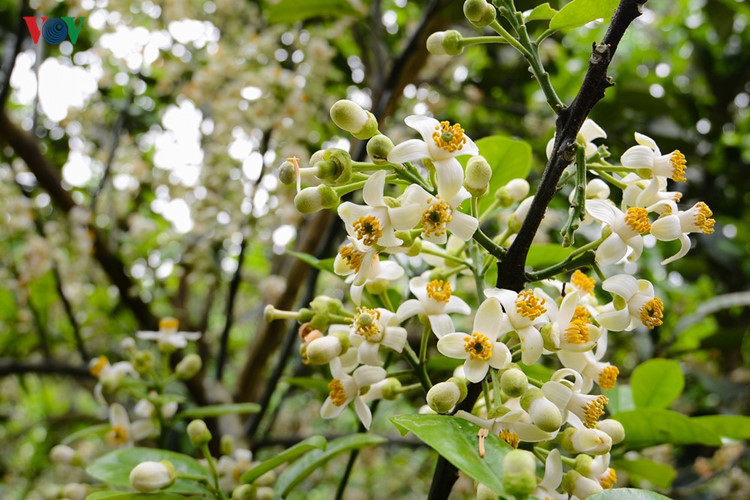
(234, 286)
(46, 368)
(20, 32)
(116, 132)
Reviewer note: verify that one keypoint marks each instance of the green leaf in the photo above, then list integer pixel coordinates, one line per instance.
(620, 399)
(456, 440)
(290, 11)
(651, 426)
(218, 410)
(86, 431)
(731, 426)
(310, 383)
(656, 473)
(541, 256)
(579, 12)
(540, 12)
(509, 158)
(311, 443)
(657, 383)
(627, 494)
(313, 460)
(114, 468)
(323, 265)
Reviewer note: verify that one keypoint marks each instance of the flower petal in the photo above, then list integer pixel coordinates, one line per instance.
(363, 412)
(602, 211)
(457, 305)
(531, 344)
(373, 190)
(622, 285)
(685, 241)
(410, 150)
(394, 338)
(441, 324)
(645, 140)
(368, 354)
(488, 318)
(614, 320)
(500, 356)
(425, 125)
(591, 130)
(329, 410)
(638, 157)
(612, 250)
(452, 345)
(368, 375)
(410, 308)
(450, 178)
(405, 217)
(462, 225)
(475, 369)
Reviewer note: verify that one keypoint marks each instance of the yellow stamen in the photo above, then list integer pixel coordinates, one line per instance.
(449, 137)
(594, 410)
(609, 480)
(583, 282)
(97, 368)
(529, 305)
(581, 315)
(169, 324)
(368, 229)
(439, 290)
(608, 377)
(678, 166)
(366, 323)
(337, 394)
(509, 437)
(352, 256)
(577, 333)
(117, 435)
(478, 346)
(637, 219)
(702, 218)
(652, 313)
(436, 217)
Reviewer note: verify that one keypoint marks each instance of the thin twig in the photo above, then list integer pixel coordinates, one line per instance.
(116, 133)
(46, 368)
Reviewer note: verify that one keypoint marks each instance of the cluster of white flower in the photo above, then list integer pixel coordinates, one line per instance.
(424, 225)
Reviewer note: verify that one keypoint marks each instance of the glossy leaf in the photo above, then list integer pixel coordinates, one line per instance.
(656, 473)
(218, 410)
(456, 440)
(114, 468)
(579, 12)
(541, 12)
(651, 426)
(313, 460)
(731, 426)
(290, 11)
(657, 383)
(620, 399)
(545, 255)
(311, 383)
(627, 494)
(311, 443)
(322, 264)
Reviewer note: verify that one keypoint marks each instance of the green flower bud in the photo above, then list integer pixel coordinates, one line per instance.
(244, 492)
(550, 337)
(478, 175)
(266, 479)
(265, 493)
(485, 493)
(565, 440)
(461, 383)
(152, 476)
(317, 156)
(378, 149)
(188, 366)
(445, 42)
(584, 464)
(377, 287)
(287, 173)
(343, 337)
(613, 428)
(391, 389)
(415, 248)
(519, 473)
(326, 304)
(443, 397)
(350, 116)
(582, 487)
(328, 196)
(514, 382)
(75, 491)
(143, 361)
(323, 350)
(226, 445)
(407, 237)
(543, 412)
(479, 12)
(198, 433)
(308, 201)
(336, 168)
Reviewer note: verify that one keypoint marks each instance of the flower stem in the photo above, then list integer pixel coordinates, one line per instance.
(609, 178)
(419, 368)
(212, 467)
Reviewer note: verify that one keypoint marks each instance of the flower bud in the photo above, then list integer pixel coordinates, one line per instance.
(515, 190)
(415, 248)
(287, 173)
(514, 382)
(143, 361)
(323, 350)
(198, 433)
(226, 445)
(519, 473)
(613, 429)
(597, 188)
(391, 389)
(65, 455)
(317, 156)
(350, 116)
(485, 493)
(378, 149)
(515, 221)
(478, 175)
(461, 383)
(336, 167)
(264, 493)
(152, 476)
(266, 479)
(591, 441)
(244, 492)
(582, 487)
(445, 42)
(75, 491)
(443, 397)
(314, 199)
(584, 464)
(543, 412)
(127, 344)
(188, 366)
(479, 12)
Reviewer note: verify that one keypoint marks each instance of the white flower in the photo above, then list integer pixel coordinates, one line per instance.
(676, 225)
(109, 375)
(440, 213)
(168, 338)
(553, 473)
(583, 410)
(591, 441)
(626, 228)
(370, 329)
(524, 312)
(513, 427)
(375, 222)
(646, 155)
(152, 476)
(345, 388)
(592, 370)
(122, 431)
(640, 193)
(602, 472)
(480, 349)
(435, 300)
(568, 332)
(354, 259)
(380, 275)
(231, 468)
(590, 131)
(634, 303)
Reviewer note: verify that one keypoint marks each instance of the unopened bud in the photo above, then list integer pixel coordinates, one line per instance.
(323, 350)
(543, 412)
(308, 201)
(198, 433)
(152, 476)
(519, 473)
(582, 487)
(350, 116)
(613, 428)
(143, 361)
(336, 167)
(75, 491)
(485, 493)
(461, 382)
(226, 445)
(516, 219)
(287, 173)
(266, 479)
(514, 382)
(378, 149)
(244, 492)
(479, 12)
(445, 42)
(478, 175)
(63, 454)
(391, 389)
(442, 397)
(591, 441)
(597, 188)
(265, 493)
(584, 464)
(415, 248)
(188, 366)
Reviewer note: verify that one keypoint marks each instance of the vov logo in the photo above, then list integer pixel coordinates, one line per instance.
(54, 30)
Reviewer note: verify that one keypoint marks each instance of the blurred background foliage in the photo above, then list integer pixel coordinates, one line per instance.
(164, 122)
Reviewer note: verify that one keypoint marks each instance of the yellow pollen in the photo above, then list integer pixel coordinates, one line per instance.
(101, 362)
(337, 394)
(577, 333)
(678, 166)
(449, 137)
(609, 480)
(608, 377)
(436, 217)
(637, 219)
(366, 323)
(169, 324)
(676, 197)
(652, 313)
(439, 290)
(702, 218)
(529, 305)
(581, 315)
(594, 410)
(352, 256)
(509, 437)
(368, 229)
(117, 435)
(583, 282)
(478, 346)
